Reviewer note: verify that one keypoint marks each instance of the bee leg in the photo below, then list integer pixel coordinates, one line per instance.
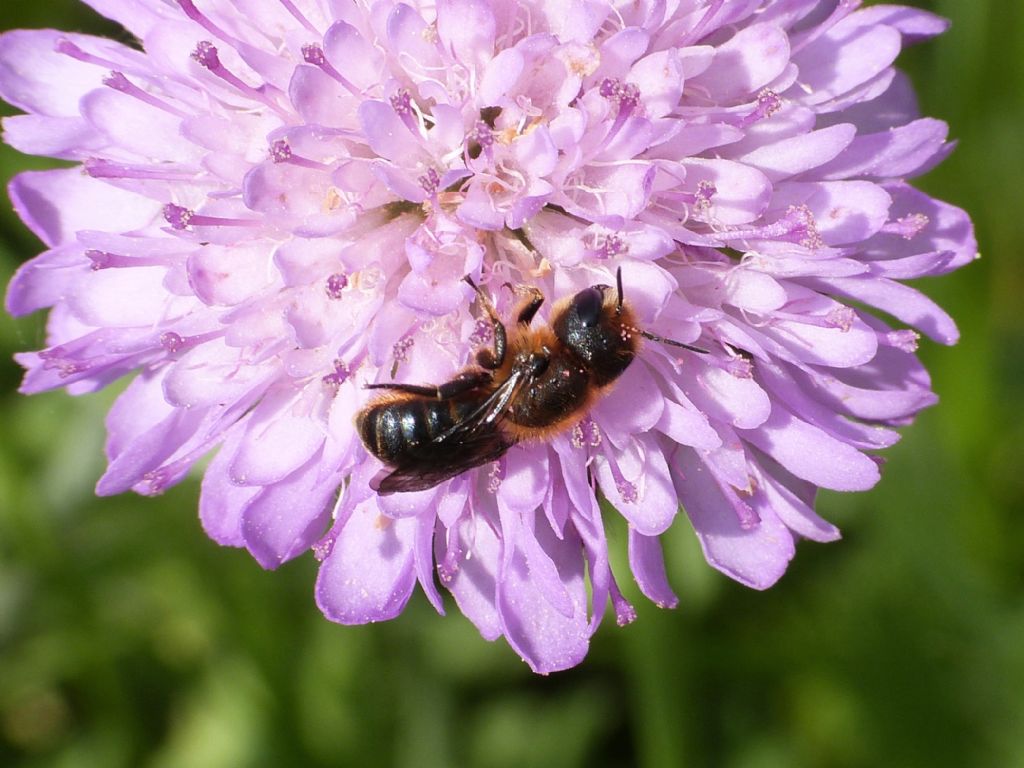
(491, 360)
(464, 382)
(534, 298)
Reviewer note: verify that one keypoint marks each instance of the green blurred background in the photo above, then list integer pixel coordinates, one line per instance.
(128, 638)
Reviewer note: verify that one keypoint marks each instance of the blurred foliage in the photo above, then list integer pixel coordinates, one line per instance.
(127, 638)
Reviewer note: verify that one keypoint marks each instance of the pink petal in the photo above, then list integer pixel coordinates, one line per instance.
(221, 501)
(648, 566)
(57, 204)
(813, 455)
(544, 637)
(370, 573)
(285, 518)
(756, 556)
(752, 58)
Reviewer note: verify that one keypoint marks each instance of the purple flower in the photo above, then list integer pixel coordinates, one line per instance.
(275, 207)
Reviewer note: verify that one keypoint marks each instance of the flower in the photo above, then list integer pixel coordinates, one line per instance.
(273, 208)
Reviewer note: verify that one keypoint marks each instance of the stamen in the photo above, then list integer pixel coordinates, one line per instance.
(448, 566)
(181, 218)
(797, 226)
(341, 374)
(494, 477)
(430, 182)
(586, 432)
(68, 48)
(155, 482)
(907, 227)
(171, 341)
(402, 103)
(625, 613)
(740, 367)
(749, 519)
(206, 56)
(313, 54)
(702, 197)
(178, 216)
(480, 139)
(106, 260)
(55, 359)
(119, 82)
(299, 17)
(577, 435)
(281, 152)
(768, 103)
(401, 349)
(841, 318)
(99, 168)
(904, 340)
(605, 244)
(323, 547)
(336, 284)
(627, 490)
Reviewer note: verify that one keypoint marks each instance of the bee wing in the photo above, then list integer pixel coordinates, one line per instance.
(493, 408)
(473, 441)
(476, 449)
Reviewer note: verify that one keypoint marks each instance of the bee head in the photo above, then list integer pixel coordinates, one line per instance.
(591, 325)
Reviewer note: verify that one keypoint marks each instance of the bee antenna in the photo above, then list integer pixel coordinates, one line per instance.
(618, 288)
(673, 342)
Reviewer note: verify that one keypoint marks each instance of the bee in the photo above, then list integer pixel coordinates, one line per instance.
(532, 383)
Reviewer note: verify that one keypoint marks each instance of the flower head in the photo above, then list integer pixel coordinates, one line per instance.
(273, 209)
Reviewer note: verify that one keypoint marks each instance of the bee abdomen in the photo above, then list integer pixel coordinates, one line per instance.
(395, 429)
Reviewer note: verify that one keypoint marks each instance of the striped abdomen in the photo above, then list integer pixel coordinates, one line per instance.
(399, 429)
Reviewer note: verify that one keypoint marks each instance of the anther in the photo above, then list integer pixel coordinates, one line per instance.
(749, 519)
(155, 482)
(907, 227)
(494, 477)
(313, 54)
(178, 216)
(171, 341)
(768, 103)
(336, 284)
(281, 152)
(430, 182)
(625, 613)
(577, 435)
(904, 340)
(627, 491)
(401, 348)
(401, 101)
(339, 376)
(612, 246)
(841, 318)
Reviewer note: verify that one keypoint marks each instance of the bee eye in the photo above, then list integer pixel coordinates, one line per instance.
(587, 304)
